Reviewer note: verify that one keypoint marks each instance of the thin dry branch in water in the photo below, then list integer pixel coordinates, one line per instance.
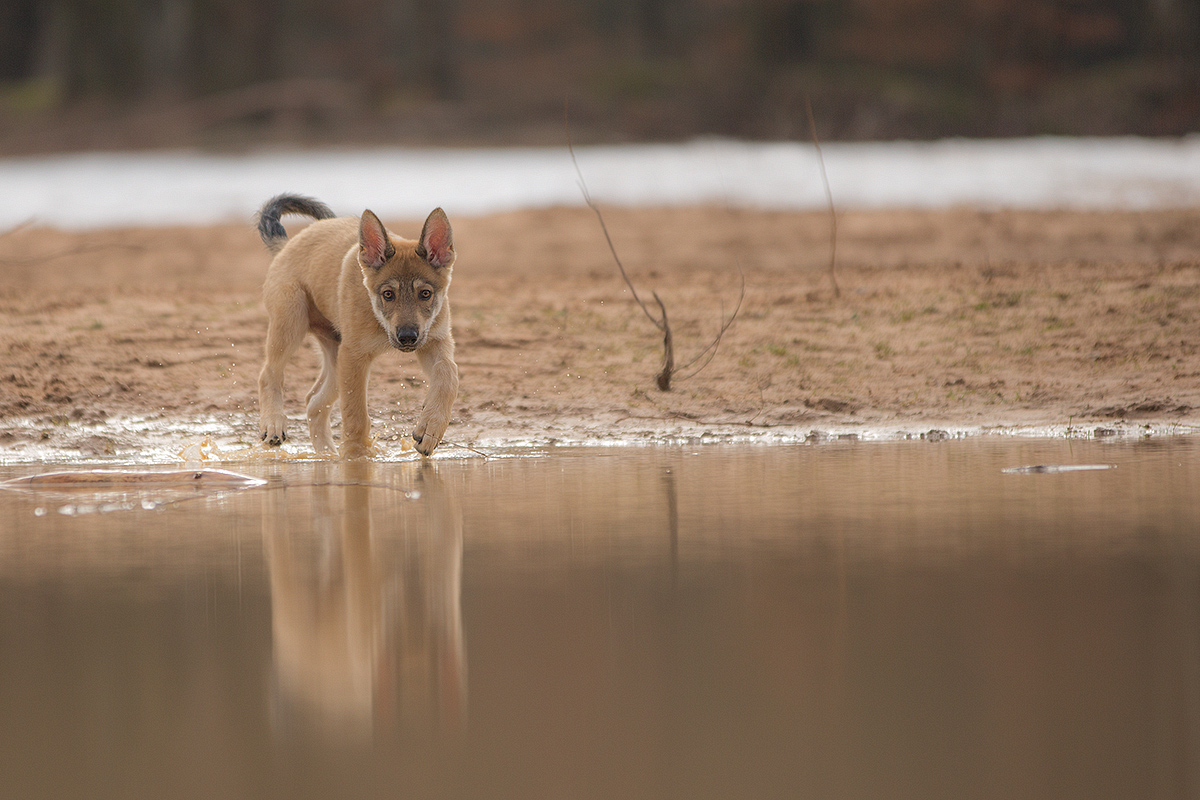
(669, 370)
(812, 128)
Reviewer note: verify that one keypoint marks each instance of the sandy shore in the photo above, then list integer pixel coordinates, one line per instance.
(951, 320)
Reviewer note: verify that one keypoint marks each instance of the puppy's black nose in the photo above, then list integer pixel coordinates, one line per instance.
(407, 337)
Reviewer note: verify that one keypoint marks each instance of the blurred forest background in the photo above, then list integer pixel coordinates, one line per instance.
(78, 74)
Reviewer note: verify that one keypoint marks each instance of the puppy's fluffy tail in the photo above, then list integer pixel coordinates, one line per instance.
(269, 227)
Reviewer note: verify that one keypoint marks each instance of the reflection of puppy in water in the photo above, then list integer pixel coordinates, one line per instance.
(367, 621)
(360, 291)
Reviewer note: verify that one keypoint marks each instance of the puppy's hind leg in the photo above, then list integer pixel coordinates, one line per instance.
(320, 398)
(288, 313)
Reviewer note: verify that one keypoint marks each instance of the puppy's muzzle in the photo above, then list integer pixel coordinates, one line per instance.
(406, 338)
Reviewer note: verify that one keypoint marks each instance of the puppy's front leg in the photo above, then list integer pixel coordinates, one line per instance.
(353, 370)
(437, 361)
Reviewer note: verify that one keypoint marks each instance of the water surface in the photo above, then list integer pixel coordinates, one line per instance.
(895, 619)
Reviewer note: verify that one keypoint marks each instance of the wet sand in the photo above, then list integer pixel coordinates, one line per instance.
(953, 319)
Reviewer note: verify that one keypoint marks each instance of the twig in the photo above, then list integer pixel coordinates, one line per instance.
(466, 447)
(711, 349)
(587, 198)
(82, 249)
(664, 377)
(669, 370)
(19, 226)
(812, 128)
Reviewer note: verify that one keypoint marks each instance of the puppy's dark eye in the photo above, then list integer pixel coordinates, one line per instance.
(388, 295)
(424, 294)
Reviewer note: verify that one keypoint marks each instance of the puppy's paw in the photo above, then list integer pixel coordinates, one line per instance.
(322, 439)
(273, 432)
(351, 451)
(429, 432)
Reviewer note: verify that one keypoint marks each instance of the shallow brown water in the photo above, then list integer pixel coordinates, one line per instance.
(865, 620)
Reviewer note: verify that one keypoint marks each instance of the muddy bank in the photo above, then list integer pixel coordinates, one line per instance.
(945, 319)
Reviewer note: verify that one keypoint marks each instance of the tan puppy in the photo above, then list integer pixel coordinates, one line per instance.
(360, 291)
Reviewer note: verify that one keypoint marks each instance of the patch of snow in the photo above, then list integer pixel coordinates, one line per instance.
(97, 190)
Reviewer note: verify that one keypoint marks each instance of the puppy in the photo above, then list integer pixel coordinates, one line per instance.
(360, 291)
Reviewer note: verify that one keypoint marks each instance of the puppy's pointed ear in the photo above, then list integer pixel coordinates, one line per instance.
(374, 245)
(437, 240)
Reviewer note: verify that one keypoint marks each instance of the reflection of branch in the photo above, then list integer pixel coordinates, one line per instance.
(812, 127)
(663, 379)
